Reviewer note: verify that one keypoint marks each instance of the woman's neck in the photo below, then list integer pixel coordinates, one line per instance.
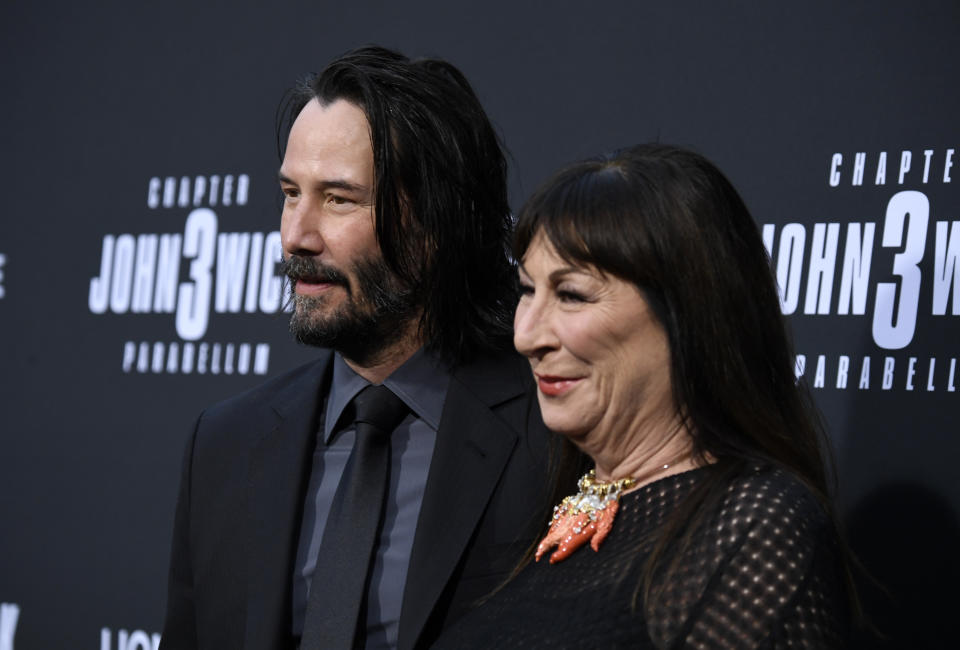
(659, 448)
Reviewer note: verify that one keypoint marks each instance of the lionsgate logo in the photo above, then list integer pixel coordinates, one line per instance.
(835, 265)
(9, 615)
(128, 640)
(3, 263)
(193, 276)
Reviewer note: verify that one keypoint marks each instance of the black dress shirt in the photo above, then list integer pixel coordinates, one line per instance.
(421, 382)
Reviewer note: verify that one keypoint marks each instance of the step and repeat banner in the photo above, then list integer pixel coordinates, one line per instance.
(140, 239)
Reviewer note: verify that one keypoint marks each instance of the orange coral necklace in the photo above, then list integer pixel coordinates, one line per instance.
(588, 515)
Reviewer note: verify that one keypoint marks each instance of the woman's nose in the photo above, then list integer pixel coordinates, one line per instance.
(533, 334)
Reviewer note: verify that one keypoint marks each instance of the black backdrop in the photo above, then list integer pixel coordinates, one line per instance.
(140, 211)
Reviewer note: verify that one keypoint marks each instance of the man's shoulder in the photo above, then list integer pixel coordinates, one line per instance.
(496, 377)
(277, 394)
(503, 383)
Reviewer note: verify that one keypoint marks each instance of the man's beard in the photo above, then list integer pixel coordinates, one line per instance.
(374, 315)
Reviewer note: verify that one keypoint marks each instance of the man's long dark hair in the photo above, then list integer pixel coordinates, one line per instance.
(669, 221)
(440, 192)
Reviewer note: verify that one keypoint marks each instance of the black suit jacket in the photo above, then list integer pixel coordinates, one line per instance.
(241, 498)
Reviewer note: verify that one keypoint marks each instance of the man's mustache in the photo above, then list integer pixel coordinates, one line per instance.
(308, 269)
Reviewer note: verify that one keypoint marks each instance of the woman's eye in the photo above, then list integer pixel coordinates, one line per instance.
(526, 290)
(570, 296)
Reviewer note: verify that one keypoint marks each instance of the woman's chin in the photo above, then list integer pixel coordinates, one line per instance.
(564, 424)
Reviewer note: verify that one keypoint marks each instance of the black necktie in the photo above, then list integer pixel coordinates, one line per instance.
(339, 586)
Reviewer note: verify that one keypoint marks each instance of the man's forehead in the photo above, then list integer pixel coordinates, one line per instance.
(336, 119)
(329, 138)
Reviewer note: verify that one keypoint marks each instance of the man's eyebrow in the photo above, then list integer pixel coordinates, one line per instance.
(337, 184)
(334, 184)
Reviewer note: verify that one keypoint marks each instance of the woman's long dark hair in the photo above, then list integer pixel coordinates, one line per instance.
(669, 221)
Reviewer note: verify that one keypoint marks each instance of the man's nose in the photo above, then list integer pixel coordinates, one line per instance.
(300, 230)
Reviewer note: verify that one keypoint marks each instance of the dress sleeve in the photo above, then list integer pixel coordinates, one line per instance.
(769, 575)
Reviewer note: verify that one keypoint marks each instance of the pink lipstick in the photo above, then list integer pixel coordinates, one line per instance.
(555, 386)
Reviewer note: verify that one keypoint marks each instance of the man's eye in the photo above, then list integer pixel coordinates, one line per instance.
(339, 200)
(290, 192)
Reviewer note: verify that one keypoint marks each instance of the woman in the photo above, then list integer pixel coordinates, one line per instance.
(652, 325)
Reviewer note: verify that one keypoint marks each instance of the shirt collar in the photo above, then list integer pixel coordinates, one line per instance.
(421, 382)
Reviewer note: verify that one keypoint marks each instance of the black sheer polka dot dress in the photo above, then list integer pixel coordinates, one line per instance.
(762, 572)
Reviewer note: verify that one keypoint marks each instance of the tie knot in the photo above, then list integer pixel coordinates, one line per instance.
(379, 407)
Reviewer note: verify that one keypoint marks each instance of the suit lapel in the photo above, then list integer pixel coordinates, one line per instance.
(473, 448)
(278, 473)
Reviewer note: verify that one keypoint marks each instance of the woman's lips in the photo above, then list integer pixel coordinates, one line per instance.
(554, 386)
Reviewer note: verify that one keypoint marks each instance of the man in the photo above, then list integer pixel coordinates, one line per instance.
(394, 230)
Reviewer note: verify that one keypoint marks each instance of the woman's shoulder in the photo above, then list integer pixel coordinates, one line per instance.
(763, 563)
(774, 488)
(769, 509)
(771, 485)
